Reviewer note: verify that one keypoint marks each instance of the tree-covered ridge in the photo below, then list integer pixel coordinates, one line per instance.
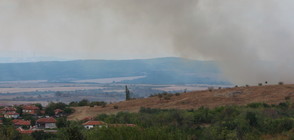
(154, 71)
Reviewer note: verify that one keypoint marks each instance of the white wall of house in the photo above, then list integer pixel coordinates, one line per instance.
(50, 125)
(27, 111)
(11, 116)
(89, 126)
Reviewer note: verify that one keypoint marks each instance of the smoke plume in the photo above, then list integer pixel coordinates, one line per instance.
(252, 40)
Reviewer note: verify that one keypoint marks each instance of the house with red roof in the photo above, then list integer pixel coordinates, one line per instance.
(23, 131)
(8, 110)
(10, 115)
(16, 120)
(92, 124)
(58, 112)
(46, 123)
(30, 109)
(21, 123)
(42, 112)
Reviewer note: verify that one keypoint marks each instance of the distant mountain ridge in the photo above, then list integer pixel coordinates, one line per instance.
(169, 70)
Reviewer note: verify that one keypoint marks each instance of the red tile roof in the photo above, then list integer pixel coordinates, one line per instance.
(46, 120)
(23, 122)
(94, 123)
(11, 113)
(8, 109)
(30, 107)
(22, 131)
(58, 111)
(16, 120)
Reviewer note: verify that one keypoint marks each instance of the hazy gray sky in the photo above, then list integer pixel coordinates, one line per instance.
(240, 34)
(80, 29)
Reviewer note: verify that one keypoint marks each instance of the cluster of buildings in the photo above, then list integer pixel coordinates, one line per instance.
(26, 126)
(41, 123)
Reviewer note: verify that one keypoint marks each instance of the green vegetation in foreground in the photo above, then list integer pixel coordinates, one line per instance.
(254, 121)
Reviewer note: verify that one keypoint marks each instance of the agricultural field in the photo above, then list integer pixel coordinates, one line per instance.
(19, 92)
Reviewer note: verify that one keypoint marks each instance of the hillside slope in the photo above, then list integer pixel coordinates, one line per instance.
(271, 94)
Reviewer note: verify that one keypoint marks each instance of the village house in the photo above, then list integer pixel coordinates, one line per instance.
(24, 131)
(21, 123)
(30, 109)
(8, 110)
(10, 115)
(92, 124)
(43, 123)
(58, 112)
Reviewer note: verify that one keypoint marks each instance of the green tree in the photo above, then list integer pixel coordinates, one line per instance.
(41, 135)
(83, 102)
(62, 122)
(9, 133)
(128, 93)
(39, 106)
(72, 132)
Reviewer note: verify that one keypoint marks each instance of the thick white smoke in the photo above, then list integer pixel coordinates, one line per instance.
(251, 39)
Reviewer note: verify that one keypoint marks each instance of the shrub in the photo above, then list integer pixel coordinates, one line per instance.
(210, 89)
(115, 107)
(83, 102)
(251, 117)
(166, 98)
(257, 105)
(41, 135)
(283, 105)
(287, 98)
(259, 84)
(160, 95)
(281, 83)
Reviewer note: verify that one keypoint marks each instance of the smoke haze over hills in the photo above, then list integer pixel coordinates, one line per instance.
(252, 40)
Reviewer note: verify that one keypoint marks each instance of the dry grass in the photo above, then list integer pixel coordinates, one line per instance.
(271, 94)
